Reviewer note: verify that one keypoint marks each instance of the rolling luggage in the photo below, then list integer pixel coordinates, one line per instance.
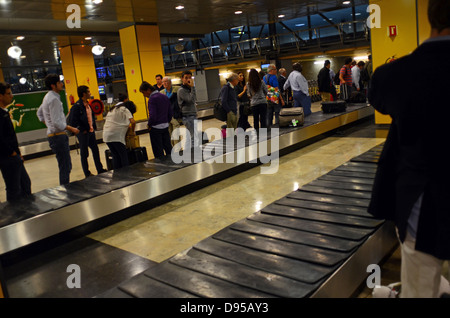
(292, 117)
(338, 106)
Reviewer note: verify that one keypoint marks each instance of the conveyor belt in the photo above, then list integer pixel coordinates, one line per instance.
(63, 208)
(284, 250)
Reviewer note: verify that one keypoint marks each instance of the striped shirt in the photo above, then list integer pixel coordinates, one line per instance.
(346, 73)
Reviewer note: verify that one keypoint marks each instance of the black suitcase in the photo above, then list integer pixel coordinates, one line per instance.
(137, 155)
(134, 155)
(338, 106)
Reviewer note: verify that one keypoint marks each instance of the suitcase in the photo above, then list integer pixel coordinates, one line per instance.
(291, 117)
(134, 155)
(338, 106)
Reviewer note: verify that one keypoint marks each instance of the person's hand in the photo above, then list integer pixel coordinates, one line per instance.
(75, 131)
(191, 83)
(13, 154)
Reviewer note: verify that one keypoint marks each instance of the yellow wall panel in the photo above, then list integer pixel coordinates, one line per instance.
(68, 69)
(133, 74)
(424, 26)
(401, 13)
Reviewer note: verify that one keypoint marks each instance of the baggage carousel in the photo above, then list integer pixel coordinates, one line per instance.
(339, 198)
(315, 242)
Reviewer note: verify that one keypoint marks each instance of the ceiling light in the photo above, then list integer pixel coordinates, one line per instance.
(281, 16)
(113, 53)
(61, 78)
(97, 49)
(180, 39)
(45, 62)
(238, 12)
(346, 2)
(300, 24)
(14, 52)
(180, 7)
(88, 38)
(20, 38)
(97, 1)
(22, 80)
(23, 56)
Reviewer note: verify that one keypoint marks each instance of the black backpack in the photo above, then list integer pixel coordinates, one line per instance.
(337, 80)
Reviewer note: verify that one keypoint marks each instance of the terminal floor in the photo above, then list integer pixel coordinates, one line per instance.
(120, 251)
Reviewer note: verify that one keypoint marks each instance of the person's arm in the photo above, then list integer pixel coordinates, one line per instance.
(287, 84)
(224, 98)
(186, 97)
(6, 147)
(341, 75)
(377, 90)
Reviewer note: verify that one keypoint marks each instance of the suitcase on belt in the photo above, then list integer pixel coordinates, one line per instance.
(338, 106)
(137, 155)
(291, 117)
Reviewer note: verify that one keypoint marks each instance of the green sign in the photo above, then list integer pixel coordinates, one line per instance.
(24, 108)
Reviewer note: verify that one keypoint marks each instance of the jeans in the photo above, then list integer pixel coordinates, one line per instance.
(88, 140)
(119, 154)
(260, 115)
(17, 181)
(302, 100)
(272, 109)
(60, 146)
(191, 125)
(160, 139)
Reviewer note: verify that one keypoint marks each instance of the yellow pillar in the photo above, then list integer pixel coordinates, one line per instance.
(77, 62)
(410, 19)
(143, 60)
(2, 78)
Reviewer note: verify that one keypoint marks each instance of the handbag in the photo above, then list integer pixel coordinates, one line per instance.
(132, 140)
(273, 93)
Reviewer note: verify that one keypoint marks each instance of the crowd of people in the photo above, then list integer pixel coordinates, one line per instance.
(262, 96)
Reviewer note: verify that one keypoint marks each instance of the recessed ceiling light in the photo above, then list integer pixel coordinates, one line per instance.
(346, 2)
(20, 38)
(97, 1)
(300, 24)
(180, 7)
(88, 38)
(238, 12)
(281, 16)
(23, 56)
(180, 39)
(45, 62)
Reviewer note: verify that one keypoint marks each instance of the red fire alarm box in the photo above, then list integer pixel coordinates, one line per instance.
(392, 30)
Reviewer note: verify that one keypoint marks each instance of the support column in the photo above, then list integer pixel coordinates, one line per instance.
(77, 62)
(411, 22)
(143, 60)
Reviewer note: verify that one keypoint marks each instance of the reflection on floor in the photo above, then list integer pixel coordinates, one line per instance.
(128, 247)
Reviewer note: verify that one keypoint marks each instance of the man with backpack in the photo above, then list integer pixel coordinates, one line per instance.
(324, 82)
(274, 99)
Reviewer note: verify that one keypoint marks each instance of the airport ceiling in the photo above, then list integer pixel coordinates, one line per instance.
(43, 23)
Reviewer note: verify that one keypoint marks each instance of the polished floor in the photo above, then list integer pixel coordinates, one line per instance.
(117, 252)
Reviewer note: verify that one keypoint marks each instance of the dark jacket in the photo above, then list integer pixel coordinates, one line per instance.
(78, 117)
(414, 159)
(159, 109)
(176, 111)
(8, 138)
(239, 89)
(228, 98)
(324, 80)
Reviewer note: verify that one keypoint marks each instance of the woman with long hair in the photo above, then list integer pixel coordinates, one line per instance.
(257, 91)
(243, 101)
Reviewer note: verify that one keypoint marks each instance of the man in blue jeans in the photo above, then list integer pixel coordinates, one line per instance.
(16, 178)
(51, 113)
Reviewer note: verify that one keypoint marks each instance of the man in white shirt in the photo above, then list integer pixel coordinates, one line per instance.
(51, 113)
(299, 85)
(356, 75)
